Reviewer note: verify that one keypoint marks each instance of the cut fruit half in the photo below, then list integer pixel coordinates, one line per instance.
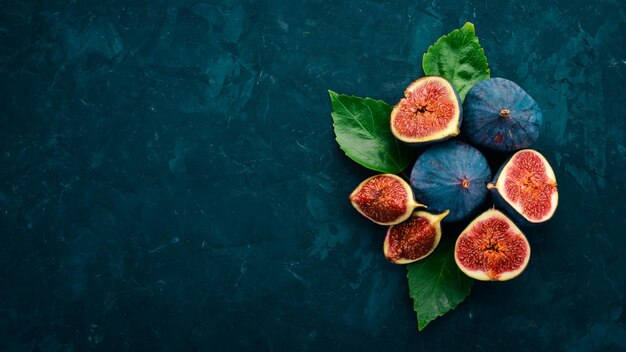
(492, 248)
(386, 199)
(526, 187)
(430, 111)
(414, 238)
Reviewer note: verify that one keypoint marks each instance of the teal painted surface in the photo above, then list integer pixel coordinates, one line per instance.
(170, 180)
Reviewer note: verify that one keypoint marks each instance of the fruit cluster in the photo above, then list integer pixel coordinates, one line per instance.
(453, 178)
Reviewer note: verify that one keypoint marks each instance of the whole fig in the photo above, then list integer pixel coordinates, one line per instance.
(451, 176)
(500, 115)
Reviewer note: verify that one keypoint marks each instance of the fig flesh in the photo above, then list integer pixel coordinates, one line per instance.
(386, 199)
(414, 238)
(451, 176)
(500, 115)
(526, 188)
(492, 248)
(430, 111)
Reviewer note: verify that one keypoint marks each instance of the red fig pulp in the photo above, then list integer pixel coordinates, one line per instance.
(492, 248)
(430, 111)
(386, 199)
(414, 238)
(526, 187)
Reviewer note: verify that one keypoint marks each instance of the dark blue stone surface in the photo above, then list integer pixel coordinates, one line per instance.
(169, 179)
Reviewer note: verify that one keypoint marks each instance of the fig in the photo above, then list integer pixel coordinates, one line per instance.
(451, 176)
(430, 111)
(525, 186)
(414, 238)
(501, 116)
(492, 248)
(386, 199)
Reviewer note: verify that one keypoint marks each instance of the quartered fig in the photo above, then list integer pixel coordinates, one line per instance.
(386, 199)
(492, 248)
(526, 188)
(451, 176)
(414, 238)
(430, 111)
(500, 115)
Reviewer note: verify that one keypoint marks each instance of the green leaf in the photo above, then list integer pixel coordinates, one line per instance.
(436, 284)
(363, 133)
(459, 58)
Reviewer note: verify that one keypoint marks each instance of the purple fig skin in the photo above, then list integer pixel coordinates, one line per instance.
(500, 115)
(451, 176)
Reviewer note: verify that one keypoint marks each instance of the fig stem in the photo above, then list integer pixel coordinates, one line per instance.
(414, 204)
(491, 186)
(505, 113)
(438, 217)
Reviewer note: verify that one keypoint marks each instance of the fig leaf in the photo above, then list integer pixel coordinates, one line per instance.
(436, 284)
(363, 133)
(459, 58)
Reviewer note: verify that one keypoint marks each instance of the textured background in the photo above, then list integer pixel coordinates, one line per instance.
(169, 178)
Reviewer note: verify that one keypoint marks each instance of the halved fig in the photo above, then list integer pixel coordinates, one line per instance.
(414, 238)
(492, 248)
(430, 111)
(526, 188)
(386, 199)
